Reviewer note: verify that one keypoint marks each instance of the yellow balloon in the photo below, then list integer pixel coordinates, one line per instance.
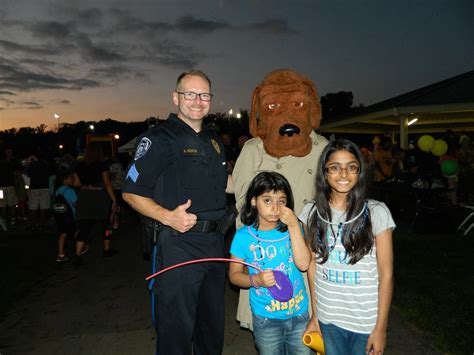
(440, 147)
(426, 143)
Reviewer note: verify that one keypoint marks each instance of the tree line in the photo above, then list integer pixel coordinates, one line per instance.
(72, 136)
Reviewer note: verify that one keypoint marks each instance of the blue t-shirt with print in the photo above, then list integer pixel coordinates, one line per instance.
(270, 250)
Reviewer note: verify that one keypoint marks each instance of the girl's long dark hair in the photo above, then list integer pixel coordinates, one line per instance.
(357, 236)
(264, 182)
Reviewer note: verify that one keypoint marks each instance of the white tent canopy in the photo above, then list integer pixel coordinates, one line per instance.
(128, 147)
(448, 104)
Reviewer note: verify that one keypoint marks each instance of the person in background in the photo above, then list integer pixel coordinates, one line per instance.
(21, 193)
(117, 178)
(95, 195)
(65, 215)
(466, 170)
(399, 157)
(383, 161)
(39, 197)
(8, 198)
(231, 152)
(241, 141)
(452, 178)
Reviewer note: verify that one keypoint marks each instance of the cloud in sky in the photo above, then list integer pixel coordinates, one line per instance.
(16, 77)
(39, 62)
(5, 93)
(29, 105)
(74, 54)
(271, 26)
(13, 47)
(20, 105)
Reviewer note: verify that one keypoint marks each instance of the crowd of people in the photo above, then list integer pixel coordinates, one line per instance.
(388, 163)
(414, 168)
(64, 195)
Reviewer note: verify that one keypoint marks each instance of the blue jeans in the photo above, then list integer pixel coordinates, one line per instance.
(338, 341)
(280, 336)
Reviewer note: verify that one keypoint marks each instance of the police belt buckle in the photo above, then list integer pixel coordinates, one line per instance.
(205, 226)
(201, 226)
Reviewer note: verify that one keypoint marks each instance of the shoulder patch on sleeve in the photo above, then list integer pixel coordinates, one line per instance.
(133, 173)
(142, 148)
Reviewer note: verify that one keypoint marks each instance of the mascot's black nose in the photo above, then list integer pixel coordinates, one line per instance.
(289, 129)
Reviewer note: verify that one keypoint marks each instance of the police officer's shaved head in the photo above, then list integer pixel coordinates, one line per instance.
(192, 72)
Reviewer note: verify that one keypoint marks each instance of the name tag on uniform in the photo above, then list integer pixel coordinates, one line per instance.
(190, 151)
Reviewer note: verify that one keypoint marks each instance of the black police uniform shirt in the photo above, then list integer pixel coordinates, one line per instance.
(173, 163)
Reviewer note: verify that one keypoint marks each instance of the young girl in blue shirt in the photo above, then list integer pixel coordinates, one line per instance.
(271, 239)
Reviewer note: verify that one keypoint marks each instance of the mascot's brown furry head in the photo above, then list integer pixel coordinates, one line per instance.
(288, 108)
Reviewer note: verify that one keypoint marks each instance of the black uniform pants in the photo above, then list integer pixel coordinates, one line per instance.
(189, 300)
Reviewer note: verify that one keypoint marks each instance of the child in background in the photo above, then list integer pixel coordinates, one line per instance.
(272, 239)
(117, 179)
(351, 240)
(20, 190)
(64, 211)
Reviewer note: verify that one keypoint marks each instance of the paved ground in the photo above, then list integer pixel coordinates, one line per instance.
(103, 306)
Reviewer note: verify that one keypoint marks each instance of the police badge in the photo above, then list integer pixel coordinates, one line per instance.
(142, 148)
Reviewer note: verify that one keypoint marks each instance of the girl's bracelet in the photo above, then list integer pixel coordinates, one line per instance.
(252, 283)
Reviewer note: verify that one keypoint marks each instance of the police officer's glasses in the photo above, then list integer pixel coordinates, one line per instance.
(190, 95)
(337, 169)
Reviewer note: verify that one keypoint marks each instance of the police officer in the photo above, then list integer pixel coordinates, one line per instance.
(179, 178)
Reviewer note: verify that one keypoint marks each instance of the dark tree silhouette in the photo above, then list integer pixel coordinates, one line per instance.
(336, 104)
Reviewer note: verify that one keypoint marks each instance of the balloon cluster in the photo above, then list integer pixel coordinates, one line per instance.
(438, 147)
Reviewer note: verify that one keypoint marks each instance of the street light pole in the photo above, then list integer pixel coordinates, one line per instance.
(231, 112)
(58, 117)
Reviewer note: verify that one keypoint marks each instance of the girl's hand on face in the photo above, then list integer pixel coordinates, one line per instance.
(288, 217)
(266, 278)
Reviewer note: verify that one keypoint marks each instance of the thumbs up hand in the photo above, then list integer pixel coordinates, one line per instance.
(180, 219)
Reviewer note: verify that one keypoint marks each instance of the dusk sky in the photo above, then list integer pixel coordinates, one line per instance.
(92, 60)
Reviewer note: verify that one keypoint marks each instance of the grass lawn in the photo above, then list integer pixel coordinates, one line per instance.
(434, 281)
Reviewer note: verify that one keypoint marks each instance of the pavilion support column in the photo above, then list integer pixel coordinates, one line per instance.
(403, 131)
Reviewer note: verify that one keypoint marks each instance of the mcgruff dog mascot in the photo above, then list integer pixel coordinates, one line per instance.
(285, 111)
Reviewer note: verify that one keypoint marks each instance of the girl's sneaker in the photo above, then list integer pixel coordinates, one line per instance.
(62, 258)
